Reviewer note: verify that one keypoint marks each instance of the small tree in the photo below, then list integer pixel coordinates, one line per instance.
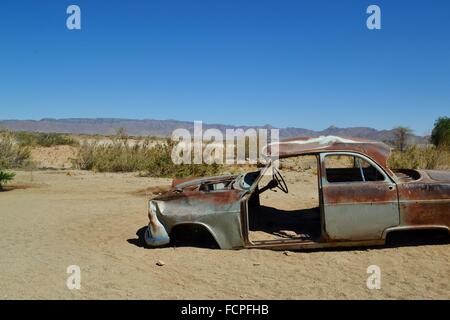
(121, 133)
(401, 135)
(440, 136)
(5, 177)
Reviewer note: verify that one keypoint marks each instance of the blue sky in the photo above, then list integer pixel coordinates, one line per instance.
(294, 63)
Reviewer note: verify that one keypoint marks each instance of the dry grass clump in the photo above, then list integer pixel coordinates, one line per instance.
(421, 157)
(146, 158)
(42, 139)
(12, 155)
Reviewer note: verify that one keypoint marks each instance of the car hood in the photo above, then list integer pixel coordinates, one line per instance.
(189, 191)
(187, 202)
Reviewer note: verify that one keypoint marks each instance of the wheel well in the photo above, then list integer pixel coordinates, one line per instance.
(192, 235)
(422, 236)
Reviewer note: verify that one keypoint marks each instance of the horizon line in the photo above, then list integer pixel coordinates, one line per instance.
(207, 123)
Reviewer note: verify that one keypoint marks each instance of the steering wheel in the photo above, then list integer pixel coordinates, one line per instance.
(281, 184)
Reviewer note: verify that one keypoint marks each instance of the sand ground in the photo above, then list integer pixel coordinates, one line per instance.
(62, 218)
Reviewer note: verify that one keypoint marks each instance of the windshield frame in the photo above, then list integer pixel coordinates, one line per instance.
(262, 172)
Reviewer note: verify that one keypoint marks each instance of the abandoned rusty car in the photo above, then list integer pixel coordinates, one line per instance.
(360, 200)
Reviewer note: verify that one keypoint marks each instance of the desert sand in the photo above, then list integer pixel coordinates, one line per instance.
(58, 218)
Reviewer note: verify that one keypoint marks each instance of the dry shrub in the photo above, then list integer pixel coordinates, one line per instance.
(421, 157)
(150, 160)
(12, 155)
(43, 139)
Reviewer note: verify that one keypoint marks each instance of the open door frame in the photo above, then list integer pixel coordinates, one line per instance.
(279, 242)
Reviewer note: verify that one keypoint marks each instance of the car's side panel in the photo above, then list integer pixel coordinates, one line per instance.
(225, 228)
(217, 211)
(424, 203)
(358, 210)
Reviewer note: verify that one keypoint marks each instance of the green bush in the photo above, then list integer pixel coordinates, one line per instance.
(440, 136)
(42, 139)
(5, 177)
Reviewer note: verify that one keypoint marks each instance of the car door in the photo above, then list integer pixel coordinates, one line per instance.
(359, 200)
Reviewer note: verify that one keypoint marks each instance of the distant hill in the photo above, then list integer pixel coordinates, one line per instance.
(164, 128)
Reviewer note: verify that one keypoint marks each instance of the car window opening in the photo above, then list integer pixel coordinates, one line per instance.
(349, 168)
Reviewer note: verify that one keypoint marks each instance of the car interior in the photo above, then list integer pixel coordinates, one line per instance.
(285, 204)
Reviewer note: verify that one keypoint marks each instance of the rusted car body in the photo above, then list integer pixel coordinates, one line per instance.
(354, 213)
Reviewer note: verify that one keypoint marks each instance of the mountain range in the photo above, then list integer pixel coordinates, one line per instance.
(164, 128)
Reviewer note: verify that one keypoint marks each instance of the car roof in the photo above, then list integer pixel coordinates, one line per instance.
(375, 150)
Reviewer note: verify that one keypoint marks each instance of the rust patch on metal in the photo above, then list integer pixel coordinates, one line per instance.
(218, 197)
(348, 193)
(424, 203)
(182, 180)
(418, 213)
